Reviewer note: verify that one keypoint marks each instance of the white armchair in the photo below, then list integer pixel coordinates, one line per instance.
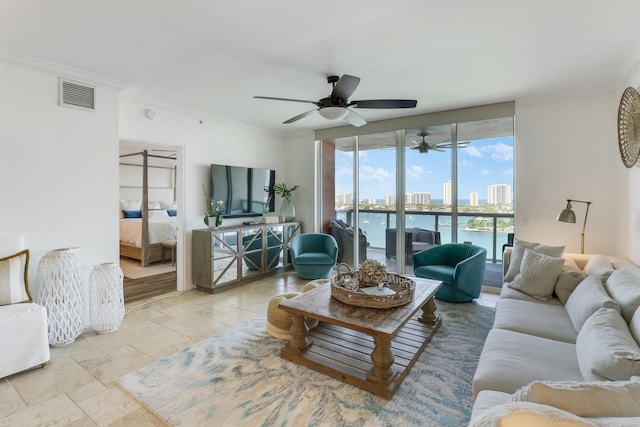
(23, 324)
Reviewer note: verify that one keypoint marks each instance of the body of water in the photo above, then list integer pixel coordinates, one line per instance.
(375, 225)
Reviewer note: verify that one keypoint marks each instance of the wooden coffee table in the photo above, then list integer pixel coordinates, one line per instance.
(370, 348)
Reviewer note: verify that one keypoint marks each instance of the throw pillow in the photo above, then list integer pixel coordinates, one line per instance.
(569, 278)
(14, 282)
(605, 348)
(599, 265)
(623, 287)
(517, 254)
(634, 326)
(168, 205)
(588, 297)
(158, 213)
(585, 399)
(131, 214)
(538, 275)
(527, 414)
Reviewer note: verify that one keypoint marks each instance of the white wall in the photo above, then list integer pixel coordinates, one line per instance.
(300, 170)
(58, 168)
(203, 141)
(566, 148)
(630, 194)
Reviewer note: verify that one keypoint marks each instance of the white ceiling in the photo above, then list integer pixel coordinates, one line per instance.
(212, 56)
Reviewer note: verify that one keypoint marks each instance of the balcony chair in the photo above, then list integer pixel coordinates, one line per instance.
(415, 240)
(459, 266)
(314, 255)
(343, 234)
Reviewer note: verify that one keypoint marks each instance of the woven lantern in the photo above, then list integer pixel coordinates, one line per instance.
(106, 297)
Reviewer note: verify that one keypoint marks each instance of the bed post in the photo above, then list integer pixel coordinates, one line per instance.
(145, 209)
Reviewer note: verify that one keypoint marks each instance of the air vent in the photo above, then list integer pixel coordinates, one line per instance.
(76, 95)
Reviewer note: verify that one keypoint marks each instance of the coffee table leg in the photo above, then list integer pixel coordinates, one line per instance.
(382, 359)
(429, 315)
(299, 341)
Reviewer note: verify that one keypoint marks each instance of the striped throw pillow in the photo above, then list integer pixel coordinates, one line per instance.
(14, 285)
(538, 275)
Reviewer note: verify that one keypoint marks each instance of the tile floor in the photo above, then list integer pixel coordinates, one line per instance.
(77, 388)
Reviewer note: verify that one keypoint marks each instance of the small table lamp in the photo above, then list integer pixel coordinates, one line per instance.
(567, 215)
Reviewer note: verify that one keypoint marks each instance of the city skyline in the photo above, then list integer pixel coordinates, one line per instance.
(481, 164)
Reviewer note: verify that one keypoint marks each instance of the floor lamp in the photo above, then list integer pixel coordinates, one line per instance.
(567, 215)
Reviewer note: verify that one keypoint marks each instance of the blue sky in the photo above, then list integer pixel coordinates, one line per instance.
(480, 164)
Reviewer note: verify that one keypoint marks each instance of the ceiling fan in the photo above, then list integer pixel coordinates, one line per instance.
(439, 144)
(337, 106)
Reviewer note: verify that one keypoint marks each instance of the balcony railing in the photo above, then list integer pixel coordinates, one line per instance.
(375, 221)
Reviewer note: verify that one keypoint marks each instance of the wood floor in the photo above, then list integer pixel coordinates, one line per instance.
(137, 289)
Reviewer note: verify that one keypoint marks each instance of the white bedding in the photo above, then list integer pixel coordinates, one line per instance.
(160, 229)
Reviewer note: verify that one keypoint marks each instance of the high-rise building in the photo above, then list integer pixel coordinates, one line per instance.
(389, 200)
(344, 199)
(473, 198)
(372, 201)
(447, 193)
(422, 198)
(499, 195)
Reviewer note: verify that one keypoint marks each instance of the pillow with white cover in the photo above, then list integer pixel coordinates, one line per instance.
(588, 297)
(129, 205)
(158, 213)
(599, 265)
(154, 205)
(634, 326)
(605, 348)
(585, 399)
(169, 205)
(14, 283)
(624, 287)
(569, 278)
(517, 254)
(527, 414)
(538, 275)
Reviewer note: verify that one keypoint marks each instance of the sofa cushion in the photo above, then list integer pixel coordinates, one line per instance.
(605, 348)
(508, 293)
(535, 318)
(511, 360)
(569, 278)
(517, 254)
(538, 275)
(634, 326)
(588, 297)
(585, 399)
(599, 265)
(443, 273)
(527, 414)
(14, 282)
(486, 400)
(624, 287)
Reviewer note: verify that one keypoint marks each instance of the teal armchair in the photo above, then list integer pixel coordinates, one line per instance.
(314, 255)
(460, 267)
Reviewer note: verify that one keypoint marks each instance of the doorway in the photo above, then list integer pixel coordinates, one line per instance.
(149, 217)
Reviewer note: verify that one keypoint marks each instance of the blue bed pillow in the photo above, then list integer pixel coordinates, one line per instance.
(131, 214)
(172, 212)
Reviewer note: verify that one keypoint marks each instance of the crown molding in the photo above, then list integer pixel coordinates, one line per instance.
(631, 68)
(60, 70)
(556, 96)
(198, 114)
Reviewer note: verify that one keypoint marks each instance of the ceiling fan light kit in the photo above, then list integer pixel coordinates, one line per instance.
(337, 106)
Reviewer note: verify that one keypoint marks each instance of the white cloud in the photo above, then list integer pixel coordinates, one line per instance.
(500, 152)
(465, 163)
(415, 172)
(484, 172)
(472, 151)
(367, 173)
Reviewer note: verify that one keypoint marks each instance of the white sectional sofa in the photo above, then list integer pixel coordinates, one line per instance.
(565, 345)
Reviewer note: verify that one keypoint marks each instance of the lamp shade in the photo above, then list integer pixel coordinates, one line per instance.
(333, 113)
(567, 215)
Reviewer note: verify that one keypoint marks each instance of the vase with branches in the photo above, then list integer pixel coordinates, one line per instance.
(287, 208)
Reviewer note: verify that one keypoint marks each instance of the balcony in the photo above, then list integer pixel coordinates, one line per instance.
(488, 230)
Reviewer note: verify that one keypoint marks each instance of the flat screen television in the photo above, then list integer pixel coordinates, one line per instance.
(245, 191)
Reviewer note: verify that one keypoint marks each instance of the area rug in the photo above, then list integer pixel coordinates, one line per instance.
(133, 270)
(238, 379)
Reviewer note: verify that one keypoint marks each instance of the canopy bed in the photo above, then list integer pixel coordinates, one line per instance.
(148, 209)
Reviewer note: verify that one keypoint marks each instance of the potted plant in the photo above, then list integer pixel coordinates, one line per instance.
(287, 208)
(213, 214)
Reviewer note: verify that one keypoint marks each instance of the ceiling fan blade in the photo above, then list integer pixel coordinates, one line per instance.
(354, 119)
(436, 149)
(287, 99)
(385, 103)
(345, 87)
(299, 116)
